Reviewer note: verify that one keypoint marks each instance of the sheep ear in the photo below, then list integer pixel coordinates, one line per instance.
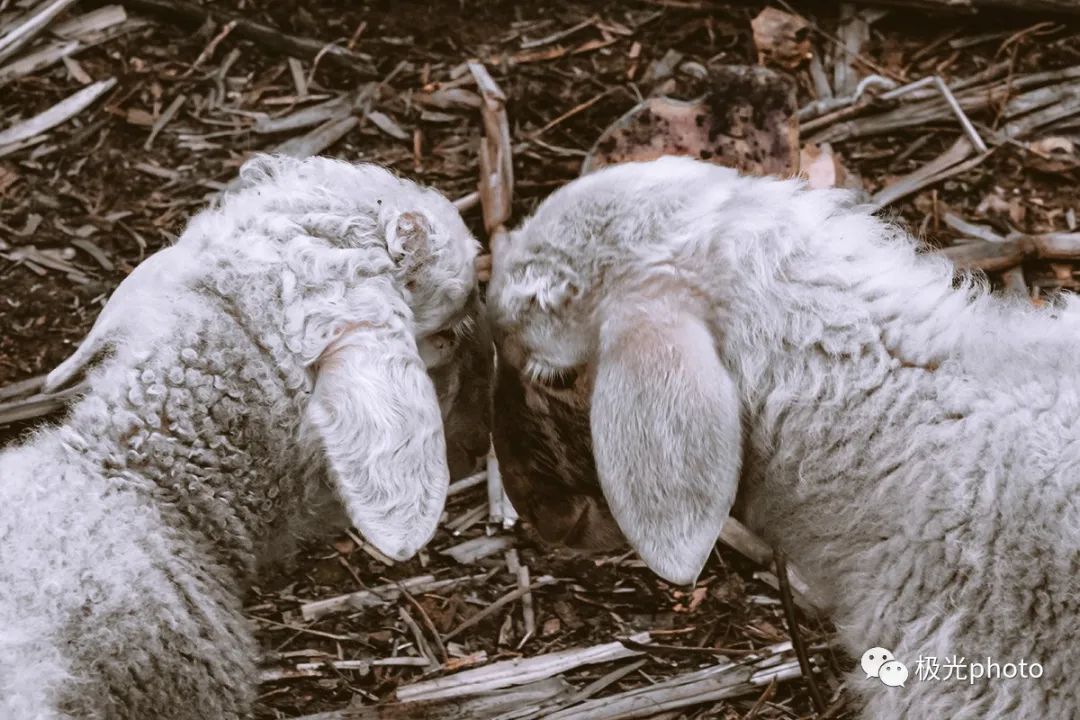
(376, 413)
(408, 238)
(667, 438)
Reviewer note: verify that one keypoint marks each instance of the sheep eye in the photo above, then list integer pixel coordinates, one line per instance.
(444, 340)
(561, 379)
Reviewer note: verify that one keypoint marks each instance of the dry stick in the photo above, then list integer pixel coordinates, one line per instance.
(370, 550)
(518, 671)
(45, 56)
(808, 112)
(509, 512)
(854, 30)
(496, 156)
(297, 628)
(829, 118)
(499, 605)
(315, 669)
(555, 37)
(465, 521)
(22, 387)
(332, 109)
(521, 572)
(467, 202)
(37, 405)
(922, 177)
(338, 108)
(528, 613)
(1013, 280)
(99, 26)
(570, 113)
(738, 537)
(1064, 101)
(836, 41)
(59, 113)
(765, 696)
(496, 505)
(422, 645)
(932, 80)
(381, 595)
(19, 36)
(793, 630)
(502, 704)
(820, 79)
(427, 623)
(1011, 251)
(162, 121)
(1055, 246)
(296, 69)
(834, 709)
(317, 140)
(719, 682)
(478, 548)
(983, 232)
(969, 129)
(460, 486)
(936, 109)
(211, 46)
(605, 681)
(270, 38)
(1065, 7)
(88, 23)
(988, 257)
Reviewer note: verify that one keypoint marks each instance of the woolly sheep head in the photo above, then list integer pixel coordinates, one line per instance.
(615, 416)
(361, 283)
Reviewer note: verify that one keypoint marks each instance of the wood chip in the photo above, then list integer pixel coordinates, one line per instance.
(781, 38)
(57, 114)
(318, 139)
(76, 70)
(31, 26)
(387, 124)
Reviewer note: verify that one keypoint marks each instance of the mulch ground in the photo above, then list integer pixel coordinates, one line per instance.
(81, 207)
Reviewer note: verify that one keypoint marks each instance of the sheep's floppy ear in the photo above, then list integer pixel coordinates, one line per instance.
(152, 277)
(376, 413)
(667, 437)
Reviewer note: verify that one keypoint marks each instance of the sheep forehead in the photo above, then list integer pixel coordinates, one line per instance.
(617, 216)
(617, 211)
(280, 197)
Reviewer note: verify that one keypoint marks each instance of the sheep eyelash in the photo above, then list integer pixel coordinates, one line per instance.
(465, 328)
(461, 332)
(554, 378)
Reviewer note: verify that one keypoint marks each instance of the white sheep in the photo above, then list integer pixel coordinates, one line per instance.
(911, 440)
(270, 353)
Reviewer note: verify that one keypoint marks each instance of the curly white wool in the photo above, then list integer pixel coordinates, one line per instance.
(910, 439)
(269, 354)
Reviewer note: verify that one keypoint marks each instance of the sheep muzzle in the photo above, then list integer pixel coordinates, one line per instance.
(544, 447)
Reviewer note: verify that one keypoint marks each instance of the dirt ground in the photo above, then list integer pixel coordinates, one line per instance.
(96, 182)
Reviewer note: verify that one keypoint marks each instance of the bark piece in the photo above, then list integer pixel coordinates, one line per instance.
(746, 121)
